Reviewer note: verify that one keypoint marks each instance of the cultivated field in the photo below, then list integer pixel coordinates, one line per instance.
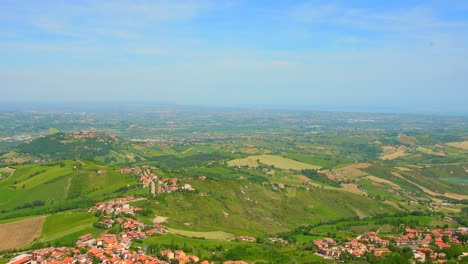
(462, 145)
(352, 187)
(377, 179)
(20, 233)
(272, 160)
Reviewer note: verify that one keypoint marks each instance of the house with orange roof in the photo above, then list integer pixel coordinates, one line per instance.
(95, 251)
(167, 253)
(68, 260)
(21, 259)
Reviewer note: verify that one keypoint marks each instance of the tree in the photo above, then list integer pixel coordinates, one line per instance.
(453, 252)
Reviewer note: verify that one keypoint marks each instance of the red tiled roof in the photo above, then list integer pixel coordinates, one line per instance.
(22, 260)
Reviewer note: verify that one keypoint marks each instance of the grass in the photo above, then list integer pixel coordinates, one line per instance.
(244, 208)
(214, 235)
(63, 224)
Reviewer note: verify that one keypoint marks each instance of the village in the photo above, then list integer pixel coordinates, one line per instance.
(419, 241)
(116, 248)
(158, 185)
(111, 248)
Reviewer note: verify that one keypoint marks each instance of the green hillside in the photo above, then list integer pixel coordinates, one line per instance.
(58, 186)
(243, 207)
(60, 146)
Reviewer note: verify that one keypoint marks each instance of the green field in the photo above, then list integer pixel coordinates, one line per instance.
(214, 235)
(60, 225)
(296, 175)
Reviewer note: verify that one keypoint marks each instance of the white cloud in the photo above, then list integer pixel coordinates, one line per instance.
(416, 18)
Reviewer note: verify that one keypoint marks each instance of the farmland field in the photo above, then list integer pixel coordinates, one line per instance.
(6, 172)
(272, 160)
(462, 145)
(20, 233)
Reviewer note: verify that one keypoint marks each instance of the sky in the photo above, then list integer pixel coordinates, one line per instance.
(407, 55)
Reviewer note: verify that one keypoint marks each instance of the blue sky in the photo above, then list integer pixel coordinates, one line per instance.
(397, 55)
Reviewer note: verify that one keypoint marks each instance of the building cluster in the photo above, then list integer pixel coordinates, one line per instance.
(277, 240)
(180, 256)
(108, 249)
(441, 238)
(419, 241)
(245, 239)
(275, 186)
(84, 134)
(116, 207)
(158, 185)
(114, 255)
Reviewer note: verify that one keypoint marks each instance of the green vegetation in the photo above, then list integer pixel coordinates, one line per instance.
(296, 174)
(319, 177)
(71, 223)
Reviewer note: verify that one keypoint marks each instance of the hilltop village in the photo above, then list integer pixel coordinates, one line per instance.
(157, 185)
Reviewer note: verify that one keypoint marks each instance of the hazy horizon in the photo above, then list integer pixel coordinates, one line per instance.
(379, 56)
(135, 106)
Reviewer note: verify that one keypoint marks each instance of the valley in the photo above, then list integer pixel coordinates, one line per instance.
(225, 189)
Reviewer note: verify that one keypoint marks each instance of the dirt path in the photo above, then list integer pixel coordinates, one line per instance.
(160, 219)
(7, 169)
(68, 185)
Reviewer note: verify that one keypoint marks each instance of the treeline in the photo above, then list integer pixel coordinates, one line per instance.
(170, 162)
(59, 146)
(29, 205)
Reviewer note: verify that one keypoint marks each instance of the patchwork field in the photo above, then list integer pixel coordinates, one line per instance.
(391, 153)
(20, 233)
(430, 151)
(272, 160)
